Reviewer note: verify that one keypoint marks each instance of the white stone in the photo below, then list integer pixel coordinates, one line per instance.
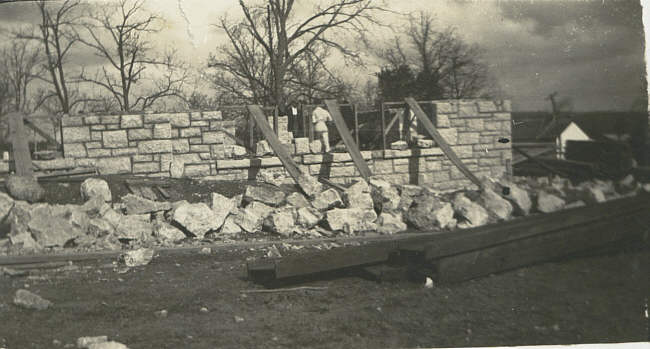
(92, 187)
(85, 342)
(302, 145)
(282, 221)
(251, 218)
(399, 145)
(230, 227)
(266, 194)
(137, 258)
(297, 200)
(384, 195)
(6, 204)
(263, 148)
(327, 199)
(166, 231)
(135, 204)
(108, 345)
(390, 223)
(495, 204)
(358, 196)
(308, 217)
(351, 220)
(197, 218)
(29, 300)
(474, 213)
(547, 203)
(425, 143)
(223, 206)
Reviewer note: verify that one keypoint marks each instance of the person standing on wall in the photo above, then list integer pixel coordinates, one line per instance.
(320, 117)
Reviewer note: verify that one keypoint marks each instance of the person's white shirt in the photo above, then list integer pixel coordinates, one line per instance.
(320, 115)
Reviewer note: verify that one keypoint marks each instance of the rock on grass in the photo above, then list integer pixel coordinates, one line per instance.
(25, 189)
(29, 300)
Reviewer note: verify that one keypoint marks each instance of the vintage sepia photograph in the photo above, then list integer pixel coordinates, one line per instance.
(323, 173)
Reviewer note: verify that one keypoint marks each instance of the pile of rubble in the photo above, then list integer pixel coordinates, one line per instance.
(373, 206)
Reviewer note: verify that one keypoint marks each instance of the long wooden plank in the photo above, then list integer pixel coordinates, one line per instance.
(257, 114)
(20, 145)
(534, 250)
(350, 145)
(41, 133)
(461, 242)
(424, 120)
(540, 163)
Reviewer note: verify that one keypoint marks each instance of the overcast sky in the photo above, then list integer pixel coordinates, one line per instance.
(589, 51)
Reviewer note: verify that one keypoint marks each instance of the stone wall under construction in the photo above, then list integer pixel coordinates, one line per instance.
(202, 144)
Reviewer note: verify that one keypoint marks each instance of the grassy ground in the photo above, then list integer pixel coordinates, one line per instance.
(586, 300)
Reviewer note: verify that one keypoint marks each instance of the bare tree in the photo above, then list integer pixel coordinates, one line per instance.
(57, 38)
(21, 66)
(268, 45)
(119, 34)
(446, 66)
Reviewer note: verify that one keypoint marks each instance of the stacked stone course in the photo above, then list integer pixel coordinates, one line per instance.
(202, 144)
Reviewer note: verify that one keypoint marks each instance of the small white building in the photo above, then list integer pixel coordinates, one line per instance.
(572, 132)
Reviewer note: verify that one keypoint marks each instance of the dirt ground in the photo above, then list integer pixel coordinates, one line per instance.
(585, 300)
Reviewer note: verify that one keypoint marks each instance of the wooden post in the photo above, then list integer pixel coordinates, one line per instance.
(446, 149)
(304, 121)
(310, 123)
(383, 134)
(251, 132)
(275, 121)
(344, 132)
(356, 124)
(20, 145)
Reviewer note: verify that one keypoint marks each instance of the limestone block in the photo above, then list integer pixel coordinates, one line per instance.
(162, 131)
(155, 146)
(131, 121)
(76, 134)
(74, 150)
(115, 139)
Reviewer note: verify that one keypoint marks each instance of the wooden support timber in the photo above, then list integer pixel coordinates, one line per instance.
(424, 120)
(350, 145)
(494, 247)
(29, 123)
(294, 171)
(20, 145)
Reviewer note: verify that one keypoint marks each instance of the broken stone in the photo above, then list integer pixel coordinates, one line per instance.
(474, 214)
(85, 342)
(327, 199)
(594, 195)
(575, 204)
(548, 203)
(263, 148)
(98, 227)
(399, 145)
(229, 227)
(351, 220)
(108, 345)
(626, 185)
(390, 223)
(92, 187)
(358, 196)
(132, 228)
(223, 206)
(495, 204)
(55, 225)
(425, 143)
(308, 217)
(252, 217)
(407, 194)
(6, 204)
(310, 185)
(297, 200)
(197, 218)
(429, 213)
(384, 195)
(137, 258)
(519, 198)
(238, 150)
(135, 204)
(24, 189)
(167, 232)
(270, 177)
(29, 300)
(282, 221)
(265, 194)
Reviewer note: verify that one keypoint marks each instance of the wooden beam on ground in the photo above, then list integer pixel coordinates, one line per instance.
(537, 249)
(483, 237)
(29, 123)
(424, 120)
(20, 145)
(257, 114)
(350, 145)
